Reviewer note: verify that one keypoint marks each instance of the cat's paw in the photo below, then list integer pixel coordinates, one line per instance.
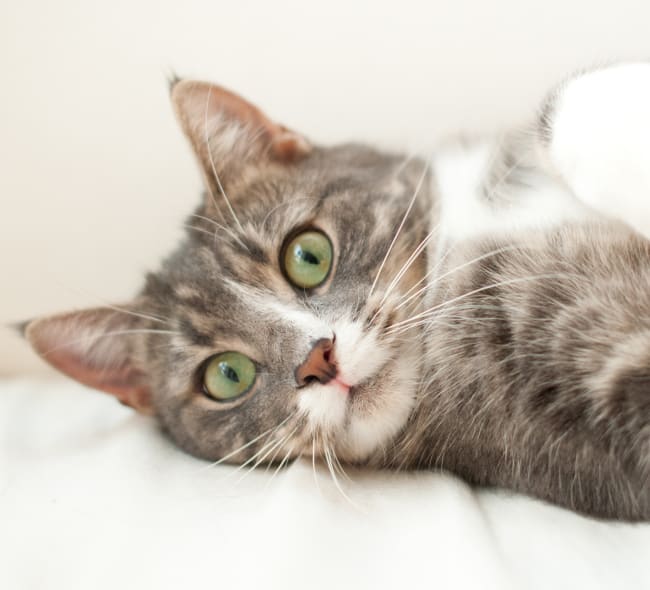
(597, 136)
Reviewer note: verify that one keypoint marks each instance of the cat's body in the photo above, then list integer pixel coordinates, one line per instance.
(484, 312)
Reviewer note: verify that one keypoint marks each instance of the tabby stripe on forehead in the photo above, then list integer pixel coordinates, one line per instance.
(337, 186)
(254, 251)
(194, 334)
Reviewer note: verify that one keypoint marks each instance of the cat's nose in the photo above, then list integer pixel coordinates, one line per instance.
(319, 364)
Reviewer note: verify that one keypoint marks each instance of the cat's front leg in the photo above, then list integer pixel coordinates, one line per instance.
(595, 135)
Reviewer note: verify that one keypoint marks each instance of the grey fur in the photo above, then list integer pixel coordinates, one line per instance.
(538, 385)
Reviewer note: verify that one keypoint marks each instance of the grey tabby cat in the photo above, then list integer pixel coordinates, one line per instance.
(486, 312)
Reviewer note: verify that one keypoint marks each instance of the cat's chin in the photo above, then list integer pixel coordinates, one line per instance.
(377, 411)
(359, 423)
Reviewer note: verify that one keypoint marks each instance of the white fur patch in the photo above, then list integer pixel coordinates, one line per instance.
(601, 141)
(306, 322)
(467, 214)
(367, 433)
(358, 357)
(324, 405)
(360, 431)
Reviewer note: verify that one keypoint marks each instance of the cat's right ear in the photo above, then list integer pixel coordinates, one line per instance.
(228, 133)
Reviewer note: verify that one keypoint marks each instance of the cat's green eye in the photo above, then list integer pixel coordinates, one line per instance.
(228, 375)
(307, 259)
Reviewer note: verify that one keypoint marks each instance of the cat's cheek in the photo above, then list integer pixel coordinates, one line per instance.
(381, 411)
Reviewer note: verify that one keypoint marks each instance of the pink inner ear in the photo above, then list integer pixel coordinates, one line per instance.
(80, 345)
(193, 98)
(286, 145)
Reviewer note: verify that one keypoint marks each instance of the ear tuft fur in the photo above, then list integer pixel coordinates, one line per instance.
(19, 327)
(172, 79)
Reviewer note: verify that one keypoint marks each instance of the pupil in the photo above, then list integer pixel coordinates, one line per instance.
(306, 256)
(229, 373)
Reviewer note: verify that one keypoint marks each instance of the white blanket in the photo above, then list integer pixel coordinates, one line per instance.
(93, 496)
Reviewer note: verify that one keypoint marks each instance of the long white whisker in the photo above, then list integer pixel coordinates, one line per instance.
(277, 443)
(280, 466)
(432, 310)
(265, 446)
(198, 229)
(217, 225)
(313, 461)
(335, 479)
(340, 467)
(284, 204)
(90, 338)
(433, 270)
(144, 316)
(411, 259)
(399, 229)
(245, 446)
(214, 168)
(140, 314)
(455, 269)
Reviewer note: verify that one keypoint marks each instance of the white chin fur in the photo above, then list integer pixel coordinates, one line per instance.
(324, 405)
(358, 429)
(375, 429)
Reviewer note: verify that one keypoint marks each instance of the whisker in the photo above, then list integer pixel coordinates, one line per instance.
(214, 168)
(280, 466)
(456, 269)
(198, 229)
(93, 337)
(340, 467)
(431, 271)
(217, 225)
(258, 462)
(284, 204)
(431, 311)
(140, 313)
(265, 446)
(412, 258)
(245, 446)
(274, 455)
(313, 460)
(401, 225)
(328, 460)
(144, 316)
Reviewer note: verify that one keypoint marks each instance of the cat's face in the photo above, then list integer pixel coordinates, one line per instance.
(270, 329)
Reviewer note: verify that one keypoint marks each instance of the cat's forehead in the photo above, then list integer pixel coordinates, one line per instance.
(326, 172)
(352, 193)
(344, 186)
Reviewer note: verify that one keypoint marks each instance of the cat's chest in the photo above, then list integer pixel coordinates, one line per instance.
(475, 202)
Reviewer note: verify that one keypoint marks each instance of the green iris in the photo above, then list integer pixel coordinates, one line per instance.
(228, 375)
(308, 259)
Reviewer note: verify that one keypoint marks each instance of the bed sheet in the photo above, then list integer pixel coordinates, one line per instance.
(93, 496)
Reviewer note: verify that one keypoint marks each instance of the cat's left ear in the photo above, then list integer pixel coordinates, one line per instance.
(97, 348)
(227, 132)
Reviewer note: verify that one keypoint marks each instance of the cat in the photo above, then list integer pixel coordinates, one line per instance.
(485, 311)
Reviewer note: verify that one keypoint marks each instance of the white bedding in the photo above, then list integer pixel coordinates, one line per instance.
(92, 496)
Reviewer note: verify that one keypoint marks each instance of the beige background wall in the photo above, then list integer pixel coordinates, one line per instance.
(95, 178)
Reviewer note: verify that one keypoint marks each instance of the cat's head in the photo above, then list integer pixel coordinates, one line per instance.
(274, 321)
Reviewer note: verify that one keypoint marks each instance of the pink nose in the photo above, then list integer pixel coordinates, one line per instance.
(319, 364)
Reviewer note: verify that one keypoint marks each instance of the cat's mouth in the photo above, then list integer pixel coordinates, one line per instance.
(367, 397)
(358, 417)
(351, 391)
